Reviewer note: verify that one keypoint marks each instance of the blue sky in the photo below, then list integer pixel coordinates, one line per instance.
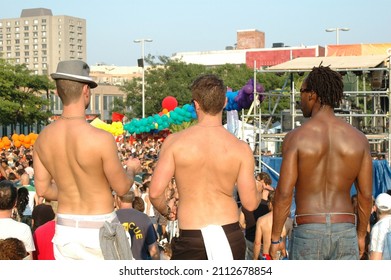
(205, 25)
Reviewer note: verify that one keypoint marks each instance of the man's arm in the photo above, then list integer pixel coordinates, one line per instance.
(163, 173)
(119, 179)
(284, 193)
(43, 181)
(246, 184)
(364, 199)
(257, 240)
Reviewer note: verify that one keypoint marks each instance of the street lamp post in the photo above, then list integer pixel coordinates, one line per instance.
(337, 29)
(142, 41)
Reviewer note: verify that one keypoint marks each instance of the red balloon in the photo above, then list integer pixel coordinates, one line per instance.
(169, 103)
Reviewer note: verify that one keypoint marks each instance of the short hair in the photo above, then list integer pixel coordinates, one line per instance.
(138, 204)
(265, 177)
(327, 84)
(8, 195)
(12, 249)
(210, 93)
(128, 197)
(69, 91)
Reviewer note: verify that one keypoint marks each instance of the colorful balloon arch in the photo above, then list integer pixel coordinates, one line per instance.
(173, 114)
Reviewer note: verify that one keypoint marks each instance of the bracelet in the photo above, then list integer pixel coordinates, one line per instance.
(276, 242)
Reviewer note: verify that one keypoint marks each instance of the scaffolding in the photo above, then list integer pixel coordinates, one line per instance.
(374, 123)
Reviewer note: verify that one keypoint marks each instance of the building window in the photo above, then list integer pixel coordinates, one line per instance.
(26, 41)
(43, 33)
(8, 23)
(35, 47)
(26, 47)
(43, 20)
(35, 21)
(8, 29)
(26, 60)
(17, 35)
(17, 23)
(26, 34)
(96, 105)
(35, 41)
(26, 54)
(26, 28)
(35, 34)
(43, 27)
(17, 54)
(17, 29)
(35, 27)
(26, 22)
(44, 46)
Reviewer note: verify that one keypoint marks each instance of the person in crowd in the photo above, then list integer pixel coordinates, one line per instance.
(82, 174)
(43, 221)
(207, 161)
(32, 198)
(138, 204)
(263, 233)
(8, 226)
(12, 249)
(249, 219)
(321, 160)
(380, 242)
(141, 230)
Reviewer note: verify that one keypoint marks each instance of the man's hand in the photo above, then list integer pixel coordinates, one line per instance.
(134, 164)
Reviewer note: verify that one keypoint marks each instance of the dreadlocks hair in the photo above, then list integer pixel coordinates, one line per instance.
(327, 84)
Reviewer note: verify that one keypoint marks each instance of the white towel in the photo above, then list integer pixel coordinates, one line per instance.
(216, 243)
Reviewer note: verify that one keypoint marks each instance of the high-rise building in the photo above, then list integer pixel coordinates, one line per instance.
(40, 40)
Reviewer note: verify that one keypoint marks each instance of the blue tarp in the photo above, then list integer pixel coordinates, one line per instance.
(381, 174)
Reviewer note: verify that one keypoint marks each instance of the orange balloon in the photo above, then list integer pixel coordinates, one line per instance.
(15, 136)
(21, 137)
(32, 142)
(26, 145)
(27, 139)
(1, 144)
(17, 143)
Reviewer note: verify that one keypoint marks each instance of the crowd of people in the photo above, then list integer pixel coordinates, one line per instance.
(193, 194)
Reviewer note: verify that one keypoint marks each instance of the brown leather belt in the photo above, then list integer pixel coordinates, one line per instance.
(335, 218)
(79, 224)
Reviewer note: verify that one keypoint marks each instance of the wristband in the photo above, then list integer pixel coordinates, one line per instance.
(276, 242)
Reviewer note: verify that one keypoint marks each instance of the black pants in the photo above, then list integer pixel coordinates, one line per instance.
(190, 244)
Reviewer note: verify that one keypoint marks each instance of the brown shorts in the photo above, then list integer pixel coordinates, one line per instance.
(190, 244)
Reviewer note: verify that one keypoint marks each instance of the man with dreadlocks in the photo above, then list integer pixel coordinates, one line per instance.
(321, 160)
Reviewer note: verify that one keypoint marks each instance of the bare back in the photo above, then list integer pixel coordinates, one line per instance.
(76, 156)
(209, 161)
(329, 154)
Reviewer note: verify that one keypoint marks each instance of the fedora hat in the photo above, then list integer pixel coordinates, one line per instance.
(74, 70)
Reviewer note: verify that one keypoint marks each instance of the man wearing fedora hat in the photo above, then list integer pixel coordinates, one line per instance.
(77, 165)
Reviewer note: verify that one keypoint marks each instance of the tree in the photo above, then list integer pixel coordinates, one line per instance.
(22, 95)
(167, 77)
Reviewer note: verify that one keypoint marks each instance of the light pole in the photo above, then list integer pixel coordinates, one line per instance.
(142, 41)
(337, 29)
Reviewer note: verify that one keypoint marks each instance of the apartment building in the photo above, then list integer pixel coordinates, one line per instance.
(40, 39)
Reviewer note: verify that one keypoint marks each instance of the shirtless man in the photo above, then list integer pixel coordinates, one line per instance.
(263, 233)
(77, 165)
(322, 159)
(206, 161)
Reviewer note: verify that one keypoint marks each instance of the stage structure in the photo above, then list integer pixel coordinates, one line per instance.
(365, 105)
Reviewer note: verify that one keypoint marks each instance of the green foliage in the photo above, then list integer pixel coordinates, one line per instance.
(23, 95)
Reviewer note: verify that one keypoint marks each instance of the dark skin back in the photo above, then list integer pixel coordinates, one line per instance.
(322, 159)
